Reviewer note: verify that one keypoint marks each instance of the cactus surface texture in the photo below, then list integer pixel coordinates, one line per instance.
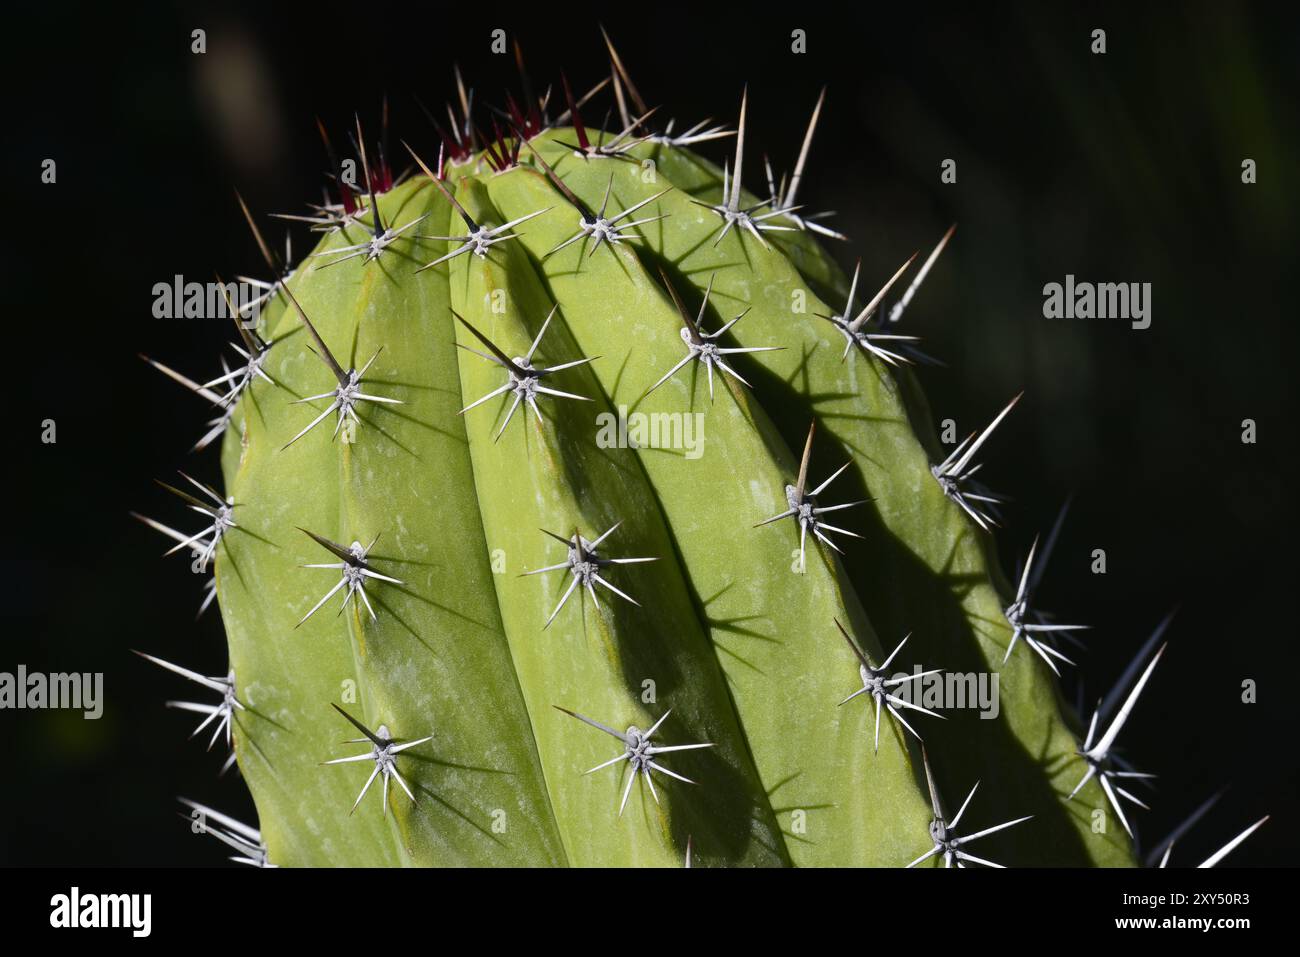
(475, 537)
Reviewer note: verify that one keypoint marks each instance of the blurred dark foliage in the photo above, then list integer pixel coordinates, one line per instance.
(1122, 167)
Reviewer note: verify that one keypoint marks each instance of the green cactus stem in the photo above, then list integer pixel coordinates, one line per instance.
(565, 492)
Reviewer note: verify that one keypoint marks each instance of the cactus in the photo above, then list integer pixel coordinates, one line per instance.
(448, 538)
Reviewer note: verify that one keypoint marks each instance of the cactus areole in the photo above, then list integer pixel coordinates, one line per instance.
(569, 488)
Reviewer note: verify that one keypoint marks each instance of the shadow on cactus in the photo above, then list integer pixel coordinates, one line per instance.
(582, 511)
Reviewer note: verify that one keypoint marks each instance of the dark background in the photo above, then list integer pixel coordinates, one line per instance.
(1122, 167)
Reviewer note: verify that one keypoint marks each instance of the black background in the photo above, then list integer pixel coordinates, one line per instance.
(1122, 167)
